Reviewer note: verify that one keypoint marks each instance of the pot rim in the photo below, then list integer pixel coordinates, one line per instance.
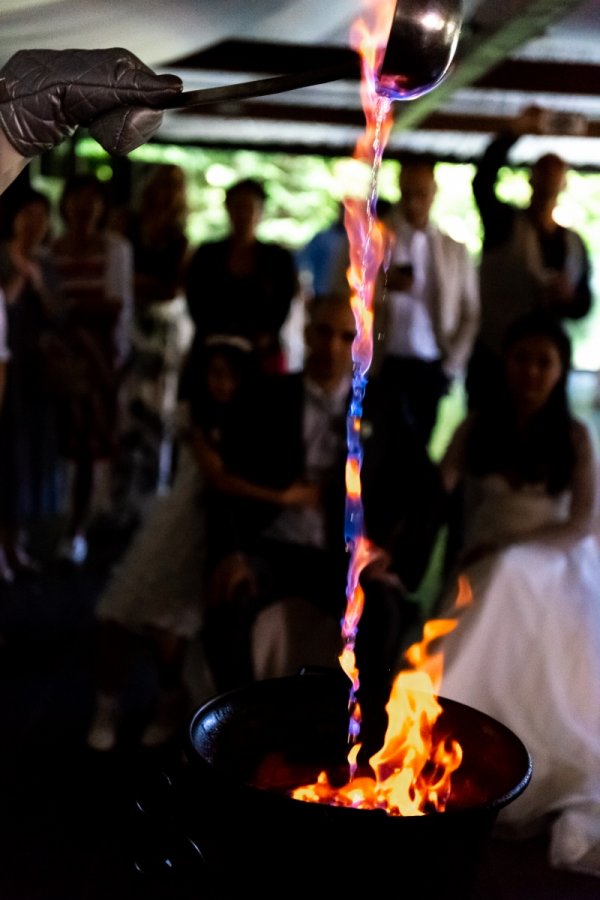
(267, 687)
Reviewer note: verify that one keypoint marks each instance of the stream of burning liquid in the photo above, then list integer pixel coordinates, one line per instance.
(361, 552)
(367, 242)
(412, 770)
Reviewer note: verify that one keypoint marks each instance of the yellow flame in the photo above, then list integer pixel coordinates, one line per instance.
(353, 487)
(413, 768)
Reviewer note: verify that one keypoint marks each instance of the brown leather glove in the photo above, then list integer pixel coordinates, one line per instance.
(46, 94)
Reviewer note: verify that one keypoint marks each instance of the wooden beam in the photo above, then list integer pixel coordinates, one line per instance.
(323, 115)
(280, 112)
(269, 58)
(480, 124)
(579, 79)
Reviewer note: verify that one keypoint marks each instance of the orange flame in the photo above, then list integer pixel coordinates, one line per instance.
(413, 769)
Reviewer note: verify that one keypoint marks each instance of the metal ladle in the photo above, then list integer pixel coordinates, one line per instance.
(420, 48)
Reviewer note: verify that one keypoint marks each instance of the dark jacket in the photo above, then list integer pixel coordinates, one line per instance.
(402, 496)
(251, 305)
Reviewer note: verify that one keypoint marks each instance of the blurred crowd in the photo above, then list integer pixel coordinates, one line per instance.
(201, 395)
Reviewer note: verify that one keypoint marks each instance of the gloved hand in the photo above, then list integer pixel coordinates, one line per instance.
(46, 94)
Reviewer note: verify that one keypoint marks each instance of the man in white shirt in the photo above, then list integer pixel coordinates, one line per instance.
(427, 305)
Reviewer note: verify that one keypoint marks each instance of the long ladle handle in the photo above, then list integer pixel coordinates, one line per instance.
(263, 86)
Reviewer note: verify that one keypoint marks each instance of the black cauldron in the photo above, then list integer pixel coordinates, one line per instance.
(261, 841)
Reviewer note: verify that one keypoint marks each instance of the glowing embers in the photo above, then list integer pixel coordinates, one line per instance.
(412, 771)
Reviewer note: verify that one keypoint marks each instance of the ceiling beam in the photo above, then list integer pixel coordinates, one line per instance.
(280, 112)
(269, 58)
(578, 79)
(496, 31)
(319, 115)
(291, 147)
(482, 124)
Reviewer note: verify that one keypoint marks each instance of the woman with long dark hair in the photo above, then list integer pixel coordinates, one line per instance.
(526, 650)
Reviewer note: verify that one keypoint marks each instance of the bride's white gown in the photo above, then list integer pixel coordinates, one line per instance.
(527, 652)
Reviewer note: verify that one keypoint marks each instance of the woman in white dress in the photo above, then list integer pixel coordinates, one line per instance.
(527, 648)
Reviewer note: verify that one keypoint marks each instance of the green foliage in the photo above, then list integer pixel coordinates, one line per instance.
(304, 193)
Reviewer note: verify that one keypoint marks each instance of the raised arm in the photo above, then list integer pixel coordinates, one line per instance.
(496, 216)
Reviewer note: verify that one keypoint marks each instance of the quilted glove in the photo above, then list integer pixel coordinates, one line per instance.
(46, 94)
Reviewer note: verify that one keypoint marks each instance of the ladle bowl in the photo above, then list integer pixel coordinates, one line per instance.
(420, 48)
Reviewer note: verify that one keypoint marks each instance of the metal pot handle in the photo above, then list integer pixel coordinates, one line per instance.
(163, 852)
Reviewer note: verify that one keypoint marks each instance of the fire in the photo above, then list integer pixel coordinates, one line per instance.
(368, 243)
(413, 769)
